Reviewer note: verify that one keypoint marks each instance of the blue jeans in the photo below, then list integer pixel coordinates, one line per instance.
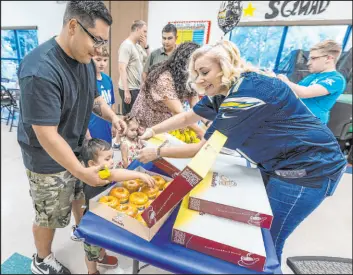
(291, 204)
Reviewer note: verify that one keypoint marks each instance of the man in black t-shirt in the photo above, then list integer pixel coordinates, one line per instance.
(58, 93)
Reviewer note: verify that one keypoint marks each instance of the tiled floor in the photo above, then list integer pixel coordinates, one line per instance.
(328, 231)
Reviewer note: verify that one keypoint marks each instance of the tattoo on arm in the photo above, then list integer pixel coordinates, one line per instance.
(97, 109)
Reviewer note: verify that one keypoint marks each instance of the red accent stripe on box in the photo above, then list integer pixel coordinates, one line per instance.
(168, 168)
(172, 195)
(225, 252)
(231, 213)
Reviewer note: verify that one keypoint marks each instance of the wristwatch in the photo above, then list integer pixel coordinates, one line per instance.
(148, 46)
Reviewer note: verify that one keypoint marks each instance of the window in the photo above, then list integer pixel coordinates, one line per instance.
(15, 44)
(258, 45)
(349, 42)
(304, 37)
(271, 47)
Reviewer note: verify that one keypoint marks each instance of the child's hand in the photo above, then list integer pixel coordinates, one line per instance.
(147, 179)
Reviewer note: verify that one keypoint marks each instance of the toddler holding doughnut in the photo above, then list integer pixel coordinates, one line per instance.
(98, 152)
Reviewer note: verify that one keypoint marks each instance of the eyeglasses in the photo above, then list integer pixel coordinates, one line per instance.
(316, 57)
(97, 42)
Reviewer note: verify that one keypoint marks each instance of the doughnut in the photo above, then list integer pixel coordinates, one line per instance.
(140, 182)
(148, 203)
(131, 185)
(138, 199)
(151, 192)
(140, 219)
(160, 182)
(127, 209)
(121, 193)
(110, 201)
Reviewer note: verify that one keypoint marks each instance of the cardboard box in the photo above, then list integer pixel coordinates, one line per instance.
(233, 192)
(125, 221)
(225, 239)
(194, 172)
(172, 166)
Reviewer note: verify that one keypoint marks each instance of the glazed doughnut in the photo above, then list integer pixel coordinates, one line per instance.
(148, 203)
(140, 219)
(138, 199)
(151, 192)
(131, 185)
(121, 193)
(110, 201)
(127, 209)
(140, 182)
(160, 182)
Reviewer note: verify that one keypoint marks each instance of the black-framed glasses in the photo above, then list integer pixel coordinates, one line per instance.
(316, 57)
(97, 42)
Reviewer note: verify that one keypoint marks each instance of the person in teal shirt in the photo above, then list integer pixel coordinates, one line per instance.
(320, 90)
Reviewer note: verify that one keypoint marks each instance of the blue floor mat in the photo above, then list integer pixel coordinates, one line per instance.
(17, 264)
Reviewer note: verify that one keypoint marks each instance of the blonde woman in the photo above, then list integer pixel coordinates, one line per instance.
(264, 120)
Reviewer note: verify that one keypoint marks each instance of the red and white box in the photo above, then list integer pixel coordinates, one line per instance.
(185, 180)
(235, 242)
(233, 192)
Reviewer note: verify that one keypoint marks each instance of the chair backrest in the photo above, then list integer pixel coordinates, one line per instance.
(7, 98)
(16, 93)
(341, 120)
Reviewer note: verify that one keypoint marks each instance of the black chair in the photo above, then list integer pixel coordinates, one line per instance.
(15, 93)
(7, 102)
(319, 265)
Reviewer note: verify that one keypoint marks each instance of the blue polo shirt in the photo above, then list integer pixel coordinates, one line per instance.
(98, 127)
(266, 123)
(320, 106)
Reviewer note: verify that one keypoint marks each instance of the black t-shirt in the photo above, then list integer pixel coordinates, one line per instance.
(56, 90)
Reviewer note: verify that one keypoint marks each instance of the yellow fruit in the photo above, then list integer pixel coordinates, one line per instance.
(197, 140)
(182, 138)
(187, 138)
(193, 134)
(177, 135)
(104, 174)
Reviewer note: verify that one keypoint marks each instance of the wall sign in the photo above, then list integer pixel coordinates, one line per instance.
(260, 11)
(193, 31)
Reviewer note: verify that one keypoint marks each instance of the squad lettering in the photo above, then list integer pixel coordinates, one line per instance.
(294, 8)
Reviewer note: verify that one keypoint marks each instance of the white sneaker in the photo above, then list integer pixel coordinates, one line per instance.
(50, 265)
(73, 237)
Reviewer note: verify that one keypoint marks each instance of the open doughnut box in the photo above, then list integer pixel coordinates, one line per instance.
(185, 179)
(122, 220)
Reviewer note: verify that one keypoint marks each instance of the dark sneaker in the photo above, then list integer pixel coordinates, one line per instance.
(50, 265)
(73, 237)
(108, 261)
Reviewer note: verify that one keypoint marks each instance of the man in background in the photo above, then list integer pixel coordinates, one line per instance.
(131, 55)
(169, 37)
(324, 85)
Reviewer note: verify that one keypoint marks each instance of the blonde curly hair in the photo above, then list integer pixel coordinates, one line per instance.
(227, 54)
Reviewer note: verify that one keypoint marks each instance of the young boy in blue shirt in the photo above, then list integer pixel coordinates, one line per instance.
(98, 127)
(320, 90)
